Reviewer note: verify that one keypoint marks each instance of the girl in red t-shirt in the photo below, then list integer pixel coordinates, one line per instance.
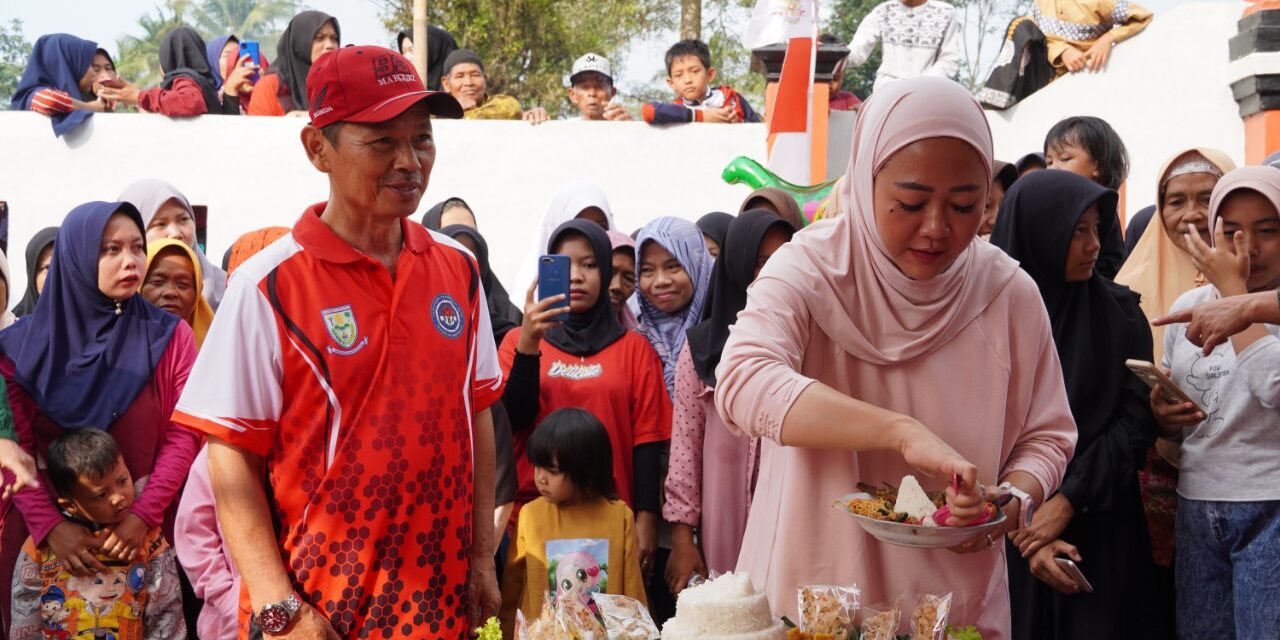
(591, 362)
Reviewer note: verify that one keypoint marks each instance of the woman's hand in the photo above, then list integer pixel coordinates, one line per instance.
(935, 458)
(125, 540)
(685, 560)
(647, 537)
(1074, 60)
(18, 462)
(237, 81)
(1173, 416)
(76, 548)
(1044, 565)
(1047, 525)
(1225, 266)
(128, 94)
(538, 320)
(1099, 53)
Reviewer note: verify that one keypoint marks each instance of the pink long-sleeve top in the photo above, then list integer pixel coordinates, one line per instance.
(199, 544)
(709, 465)
(1003, 407)
(153, 447)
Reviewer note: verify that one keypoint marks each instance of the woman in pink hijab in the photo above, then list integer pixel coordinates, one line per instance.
(887, 342)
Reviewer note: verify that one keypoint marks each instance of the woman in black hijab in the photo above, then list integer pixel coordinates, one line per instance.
(1052, 222)
(305, 39)
(39, 254)
(186, 72)
(440, 44)
(502, 313)
(714, 226)
(433, 219)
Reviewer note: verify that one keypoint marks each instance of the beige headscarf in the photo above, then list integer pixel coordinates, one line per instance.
(1157, 269)
(873, 310)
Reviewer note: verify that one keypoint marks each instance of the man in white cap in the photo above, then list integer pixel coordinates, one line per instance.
(591, 89)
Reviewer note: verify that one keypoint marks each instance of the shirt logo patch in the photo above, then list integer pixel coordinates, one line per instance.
(575, 371)
(447, 316)
(341, 323)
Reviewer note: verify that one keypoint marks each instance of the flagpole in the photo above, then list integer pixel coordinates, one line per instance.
(420, 38)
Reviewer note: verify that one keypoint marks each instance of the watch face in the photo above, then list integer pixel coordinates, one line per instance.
(273, 618)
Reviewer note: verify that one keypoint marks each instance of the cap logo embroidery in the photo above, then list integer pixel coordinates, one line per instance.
(392, 68)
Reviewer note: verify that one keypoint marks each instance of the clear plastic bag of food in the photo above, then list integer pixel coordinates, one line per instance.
(829, 610)
(929, 619)
(880, 622)
(545, 627)
(626, 619)
(580, 619)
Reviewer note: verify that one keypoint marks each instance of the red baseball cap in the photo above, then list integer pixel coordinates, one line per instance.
(369, 84)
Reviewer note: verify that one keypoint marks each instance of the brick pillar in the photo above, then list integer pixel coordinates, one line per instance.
(829, 55)
(1254, 74)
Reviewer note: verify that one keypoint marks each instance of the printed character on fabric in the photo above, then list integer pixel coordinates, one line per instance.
(359, 394)
(578, 568)
(129, 601)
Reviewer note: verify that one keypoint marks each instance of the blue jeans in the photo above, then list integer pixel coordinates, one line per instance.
(1227, 569)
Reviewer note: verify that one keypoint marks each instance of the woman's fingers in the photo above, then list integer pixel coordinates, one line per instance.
(528, 296)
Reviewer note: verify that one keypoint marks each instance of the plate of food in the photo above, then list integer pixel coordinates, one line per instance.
(905, 515)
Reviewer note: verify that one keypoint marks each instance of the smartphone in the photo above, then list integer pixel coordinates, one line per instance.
(553, 279)
(1154, 377)
(250, 48)
(1076, 575)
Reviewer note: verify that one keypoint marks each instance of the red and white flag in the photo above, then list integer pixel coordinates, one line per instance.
(794, 22)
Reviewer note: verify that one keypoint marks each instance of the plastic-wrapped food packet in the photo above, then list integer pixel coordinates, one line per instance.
(580, 620)
(880, 622)
(546, 627)
(626, 619)
(929, 620)
(830, 610)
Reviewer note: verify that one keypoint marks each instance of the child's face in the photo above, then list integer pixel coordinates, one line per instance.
(1073, 158)
(50, 610)
(1252, 214)
(101, 589)
(104, 500)
(591, 94)
(553, 485)
(689, 78)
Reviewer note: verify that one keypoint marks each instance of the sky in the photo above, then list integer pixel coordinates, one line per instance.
(361, 24)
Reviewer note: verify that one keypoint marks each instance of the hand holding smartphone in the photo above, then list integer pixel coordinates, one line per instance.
(251, 48)
(1069, 567)
(553, 280)
(1154, 377)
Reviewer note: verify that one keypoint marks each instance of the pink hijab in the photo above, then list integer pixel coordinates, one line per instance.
(1265, 180)
(622, 241)
(863, 302)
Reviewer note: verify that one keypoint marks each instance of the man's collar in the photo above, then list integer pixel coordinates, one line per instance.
(320, 240)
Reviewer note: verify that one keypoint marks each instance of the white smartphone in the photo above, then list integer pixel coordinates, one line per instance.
(1076, 575)
(1154, 377)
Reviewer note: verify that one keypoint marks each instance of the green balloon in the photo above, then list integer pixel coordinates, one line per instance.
(744, 170)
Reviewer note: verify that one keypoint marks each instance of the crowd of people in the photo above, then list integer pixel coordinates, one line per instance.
(350, 428)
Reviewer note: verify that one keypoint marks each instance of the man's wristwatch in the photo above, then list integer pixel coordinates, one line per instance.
(275, 618)
(1026, 504)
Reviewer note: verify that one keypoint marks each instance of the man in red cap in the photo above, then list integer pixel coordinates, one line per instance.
(345, 392)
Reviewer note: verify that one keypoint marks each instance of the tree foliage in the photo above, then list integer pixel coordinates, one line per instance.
(139, 56)
(528, 46)
(14, 51)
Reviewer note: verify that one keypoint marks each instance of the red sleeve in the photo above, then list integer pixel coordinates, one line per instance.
(650, 404)
(179, 445)
(184, 99)
(507, 351)
(35, 503)
(263, 101)
(51, 102)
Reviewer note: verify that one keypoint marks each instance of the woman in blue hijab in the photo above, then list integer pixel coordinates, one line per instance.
(58, 81)
(96, 355)
(674, 271)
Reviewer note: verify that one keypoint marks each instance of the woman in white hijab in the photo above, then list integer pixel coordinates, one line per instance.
(579, 199)
(6, 316)
(166, 213)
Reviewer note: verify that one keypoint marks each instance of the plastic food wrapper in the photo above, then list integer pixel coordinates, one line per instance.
(929, 620)
(572, 620)
(626, 619)
(880, 622)
(828, 610)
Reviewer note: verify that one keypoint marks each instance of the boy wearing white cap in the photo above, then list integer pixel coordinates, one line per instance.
(591, 89)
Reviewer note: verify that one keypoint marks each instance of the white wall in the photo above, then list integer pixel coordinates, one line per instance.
(252, 172)
(1163, 91)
